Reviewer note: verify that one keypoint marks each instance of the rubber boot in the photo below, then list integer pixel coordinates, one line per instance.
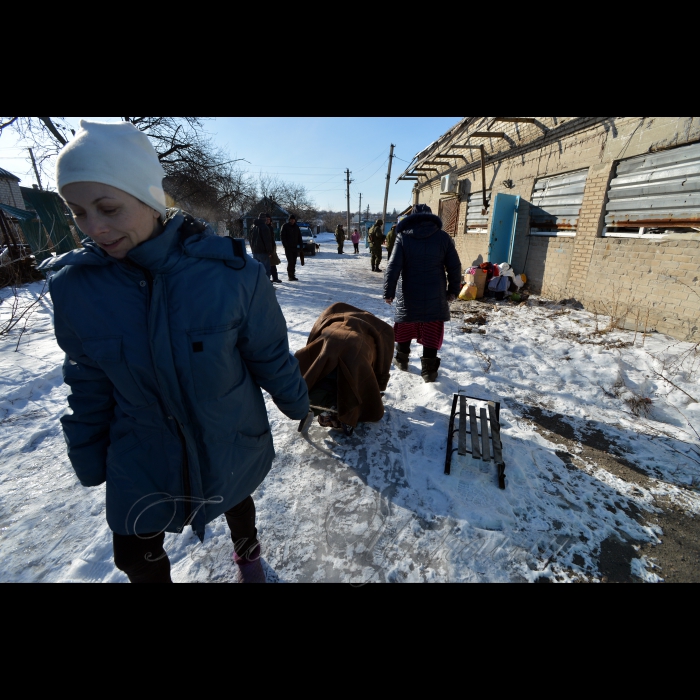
(250, 569)
(430, 369)
(401, 361)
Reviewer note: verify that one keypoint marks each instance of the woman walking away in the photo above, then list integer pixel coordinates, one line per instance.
(170, 335)
(340, 238)
(356, 241)
(422, 254)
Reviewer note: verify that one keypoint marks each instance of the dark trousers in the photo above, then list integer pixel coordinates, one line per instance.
(292, 256)
(405, 348)
(143, 559)
(376, 258)
(357, 247)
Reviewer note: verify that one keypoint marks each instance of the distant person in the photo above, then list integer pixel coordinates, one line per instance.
(293, 245)
(376, 239)
(262, 242)
(340, 238)
(274, 258)
(416, 278)
(170, 336)
(390, 240)
(356, 241)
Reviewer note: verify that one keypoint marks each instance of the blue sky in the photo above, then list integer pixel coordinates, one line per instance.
(314, 151)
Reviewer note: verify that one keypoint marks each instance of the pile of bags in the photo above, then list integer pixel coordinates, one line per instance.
(497, 281)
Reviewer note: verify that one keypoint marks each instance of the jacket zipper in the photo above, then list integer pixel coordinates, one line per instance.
(183, 442)
(185, 474)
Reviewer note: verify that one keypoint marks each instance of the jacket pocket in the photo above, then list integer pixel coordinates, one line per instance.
(216, 364)
(108, 353)
(249, 442)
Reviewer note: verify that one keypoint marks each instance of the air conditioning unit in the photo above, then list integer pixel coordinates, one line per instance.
(448, 184)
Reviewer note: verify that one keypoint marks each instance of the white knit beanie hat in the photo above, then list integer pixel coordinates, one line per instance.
(115, 154)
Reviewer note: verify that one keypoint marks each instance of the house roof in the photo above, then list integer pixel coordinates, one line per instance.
(481, 140)
(267, 205)
(6, 175)
(18, 213)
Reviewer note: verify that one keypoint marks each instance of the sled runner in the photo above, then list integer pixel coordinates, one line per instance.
(306, 422)
(481, 433)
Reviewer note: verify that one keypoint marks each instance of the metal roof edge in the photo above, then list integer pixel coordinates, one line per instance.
(565, 129)
(7, 175)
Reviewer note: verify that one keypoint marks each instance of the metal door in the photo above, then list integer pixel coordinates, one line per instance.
(503, 222)
(449, 213)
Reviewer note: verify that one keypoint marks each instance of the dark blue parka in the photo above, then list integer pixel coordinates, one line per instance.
(166, 354)
(422, 254)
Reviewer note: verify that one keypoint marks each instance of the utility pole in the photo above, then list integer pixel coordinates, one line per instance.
(347, 173)
(359, 217)
(388, 178)
(36, 170)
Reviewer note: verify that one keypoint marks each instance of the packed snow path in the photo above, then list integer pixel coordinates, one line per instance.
(588, 482)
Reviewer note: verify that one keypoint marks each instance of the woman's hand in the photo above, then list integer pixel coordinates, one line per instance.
(389, 301)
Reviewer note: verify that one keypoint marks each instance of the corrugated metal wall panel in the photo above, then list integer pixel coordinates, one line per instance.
(475, 205)
(557, 201)
(661, 189)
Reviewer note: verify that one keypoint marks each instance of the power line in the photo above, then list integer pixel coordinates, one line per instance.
(372, 161)
(301, 167)
(374, 173)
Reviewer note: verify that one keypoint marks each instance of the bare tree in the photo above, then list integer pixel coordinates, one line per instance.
(199, 177)
(290, 196)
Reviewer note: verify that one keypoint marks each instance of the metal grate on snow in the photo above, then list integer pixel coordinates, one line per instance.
(479, 435)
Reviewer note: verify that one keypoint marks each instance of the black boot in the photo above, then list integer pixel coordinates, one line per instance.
(401, 360)
(430, 369)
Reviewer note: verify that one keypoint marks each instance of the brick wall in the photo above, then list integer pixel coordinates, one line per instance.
(588, 267)
(10, 193)
(656, 281)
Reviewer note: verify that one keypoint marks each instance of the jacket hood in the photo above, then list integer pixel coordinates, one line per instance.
(420, 225)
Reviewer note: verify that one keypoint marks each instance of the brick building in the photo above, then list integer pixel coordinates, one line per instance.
(9, 190)
(605, 210)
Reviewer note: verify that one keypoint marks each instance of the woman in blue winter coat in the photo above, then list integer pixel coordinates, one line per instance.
(170, 333)
(424, 276)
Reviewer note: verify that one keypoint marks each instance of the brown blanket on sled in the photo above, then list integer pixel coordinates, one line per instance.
(361, 347)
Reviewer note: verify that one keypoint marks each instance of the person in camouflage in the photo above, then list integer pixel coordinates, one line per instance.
(390, 240)
(376, 240)
(340, 238)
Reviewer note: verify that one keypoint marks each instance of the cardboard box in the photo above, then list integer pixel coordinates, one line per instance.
(478, 280)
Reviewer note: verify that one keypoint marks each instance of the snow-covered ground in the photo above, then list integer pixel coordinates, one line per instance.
(377, 506)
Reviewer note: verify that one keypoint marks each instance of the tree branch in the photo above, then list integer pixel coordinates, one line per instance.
(174, 149)
(10, 123)
(54, 131)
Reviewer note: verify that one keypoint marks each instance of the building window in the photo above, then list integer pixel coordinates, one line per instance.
(556, 204)
(477, 216)
(656, 195)
(449, 213)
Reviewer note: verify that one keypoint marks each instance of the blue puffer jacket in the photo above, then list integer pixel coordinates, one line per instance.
(166, 354)
(422, 253)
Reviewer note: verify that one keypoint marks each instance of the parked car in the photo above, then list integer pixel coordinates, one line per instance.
(309, 238)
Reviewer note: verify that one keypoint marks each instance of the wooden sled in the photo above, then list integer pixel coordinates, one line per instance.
(479, 435)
